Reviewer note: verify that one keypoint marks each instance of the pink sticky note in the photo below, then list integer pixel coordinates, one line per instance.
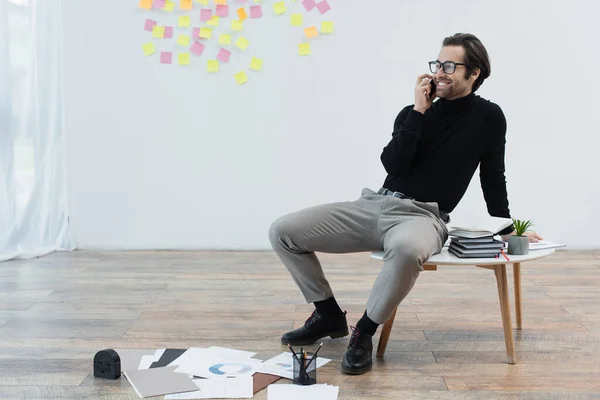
(205, 14)
(150, 23)
(159, 3)
(241, 1)
(323, 7)
(168, 32)
(222, 10)
(195, 33)
(309, 4)
(255, 11)
(166, 57)
(224, 55)
(197, 48)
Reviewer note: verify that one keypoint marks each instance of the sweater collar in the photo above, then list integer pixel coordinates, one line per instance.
(457, 103)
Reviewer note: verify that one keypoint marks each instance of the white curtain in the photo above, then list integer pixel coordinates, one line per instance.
(34, 218)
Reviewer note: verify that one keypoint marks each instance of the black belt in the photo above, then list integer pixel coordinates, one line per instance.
(387, 192)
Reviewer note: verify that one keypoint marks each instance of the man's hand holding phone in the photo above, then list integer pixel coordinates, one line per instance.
(423, 93)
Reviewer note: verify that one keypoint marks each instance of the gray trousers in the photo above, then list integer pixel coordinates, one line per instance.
(408, 231)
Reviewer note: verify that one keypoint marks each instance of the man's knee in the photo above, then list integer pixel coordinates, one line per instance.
(406, 254)
(280, 231)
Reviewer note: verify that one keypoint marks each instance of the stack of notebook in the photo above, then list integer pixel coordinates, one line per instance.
(481, 247)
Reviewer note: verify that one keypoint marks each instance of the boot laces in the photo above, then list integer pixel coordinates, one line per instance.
(354, 339)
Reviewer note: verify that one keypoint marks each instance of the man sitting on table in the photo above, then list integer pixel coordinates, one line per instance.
(431, 158)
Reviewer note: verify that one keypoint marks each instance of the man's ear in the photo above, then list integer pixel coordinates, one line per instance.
(475, 73)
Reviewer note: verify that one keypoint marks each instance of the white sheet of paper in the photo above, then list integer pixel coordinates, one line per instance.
(239, 387)
(282, 365)
(232, 354)
(146, 361)
(299, 392)
(203, 363)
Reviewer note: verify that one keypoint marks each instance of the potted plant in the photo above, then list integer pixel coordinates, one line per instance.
(518, 244)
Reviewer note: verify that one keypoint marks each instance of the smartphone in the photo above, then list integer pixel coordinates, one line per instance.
(432, 92)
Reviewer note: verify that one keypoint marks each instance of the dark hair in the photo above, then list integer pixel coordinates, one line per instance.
(476, 56)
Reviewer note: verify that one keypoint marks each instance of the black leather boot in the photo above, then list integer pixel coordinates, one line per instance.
(357, 359)
(315, 328)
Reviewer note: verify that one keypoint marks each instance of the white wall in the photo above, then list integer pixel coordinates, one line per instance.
(173, 157)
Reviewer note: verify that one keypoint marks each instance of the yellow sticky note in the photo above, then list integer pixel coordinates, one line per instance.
(326, 27)
(237, 25)
(146, 4)
(297, 19)
(183, 40)
(185, 4)
(203, 2)
(242, 14)
(149, 48)
(212, 66)
(183, 58)
(158, 32)
(279, 7)
(304, 49)
(221, 2)
(205, 33)
(214, 21)
(225, 38)
(311, 32)
(256, 64)
(169, 6)
(242, 43)
(184, 21)
(241, 77)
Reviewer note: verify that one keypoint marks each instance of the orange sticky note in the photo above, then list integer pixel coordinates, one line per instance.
(147, 4)
(242, 14)
(185, 4)
(311, 31)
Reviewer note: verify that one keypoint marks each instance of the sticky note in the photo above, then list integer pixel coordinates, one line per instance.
(184, 21)
(221, 2)
(149, 25)
(304, 49)
(241, 78)
(311, 32)
(158, 32)
(205, 14)
(323, 7)
(297, 20)
(184, 58)
(205, 33)
(166, 57)
(222, 10)
(159, 3)
(223, 55)
(242, 15)
(183, 40)
(196, 33)
(212, 66)
(326, 27)
(214, 21)
(185, 4)
(197, 48)
(149, 48)
(256, 64)
(309, 4)
(242, 43)
(203, 2)
(256, 11)
(279, 7)
(168, 32)
(146, 4)
(170, 6)
(225, 38)
(237, 25)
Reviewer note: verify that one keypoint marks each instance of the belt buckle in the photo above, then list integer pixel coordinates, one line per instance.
(400, 195)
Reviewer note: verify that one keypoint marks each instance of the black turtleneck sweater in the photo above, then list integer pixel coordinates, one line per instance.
(432, 157)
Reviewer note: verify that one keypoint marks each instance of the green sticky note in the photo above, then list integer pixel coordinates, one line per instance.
(158, 32)
(184, 58)
(256, 64)
(304, 49)
(205, 33)
(326, 27)
(169, 6)
(279, 7)
(149, 48)
(183, 40)
(184, 21)
(214, 21)
(237, 25)
(212, 66)
(242, 43)
(225, 38)
(241, 78)
(297, 19)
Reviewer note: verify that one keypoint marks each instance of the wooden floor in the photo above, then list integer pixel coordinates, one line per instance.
(56, 312)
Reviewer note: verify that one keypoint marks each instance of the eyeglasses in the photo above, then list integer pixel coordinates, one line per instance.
(449, 66)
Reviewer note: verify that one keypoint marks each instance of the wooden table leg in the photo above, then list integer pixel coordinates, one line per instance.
(385, 334)
(517, 276)
(500, 271)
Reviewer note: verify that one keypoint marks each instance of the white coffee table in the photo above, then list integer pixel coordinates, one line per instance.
(498, 265)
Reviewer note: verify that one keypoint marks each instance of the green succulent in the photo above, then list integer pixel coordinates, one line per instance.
(521, 226)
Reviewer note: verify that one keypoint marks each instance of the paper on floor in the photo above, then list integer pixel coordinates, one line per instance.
(239, 387)
(299, 392)
(282, 365)
(159, 381)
